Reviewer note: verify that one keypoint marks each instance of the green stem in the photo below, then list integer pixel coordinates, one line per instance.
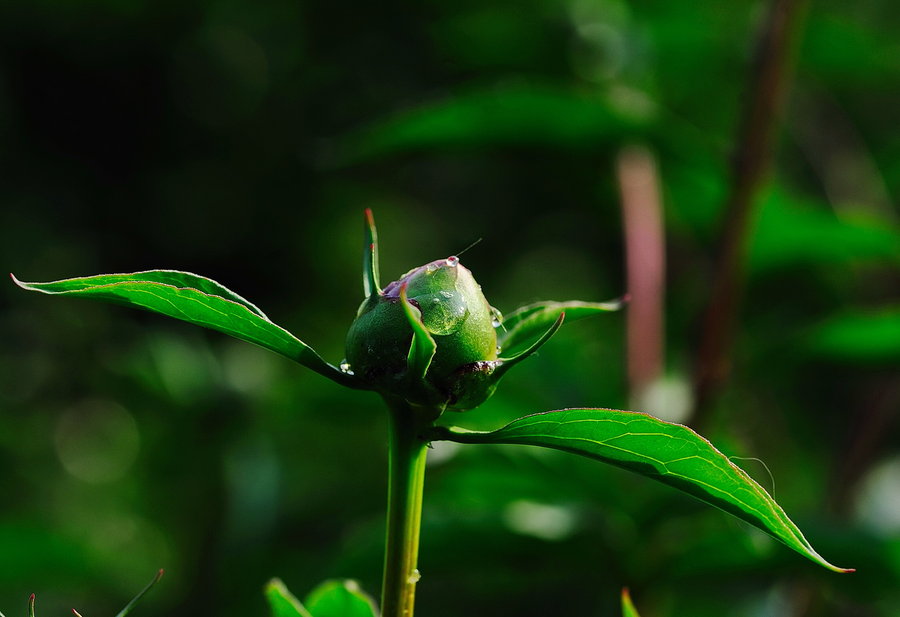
(406, 482)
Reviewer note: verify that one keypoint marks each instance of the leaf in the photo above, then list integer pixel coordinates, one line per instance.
(528, 323)
(128, 607)
(670, 453)
(197, 300)
(507, 115)
(860, 335)
(282, 602)
(628, 609)
(340, 599)
(793, 232)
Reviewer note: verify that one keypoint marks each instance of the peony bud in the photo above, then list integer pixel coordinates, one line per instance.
(454, 312)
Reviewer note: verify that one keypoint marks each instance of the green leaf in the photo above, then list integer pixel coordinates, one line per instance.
(792, 232)
(860, 336)
(521, 328)
(137, 598)
(197, 300)
(510, 115)
(282, 602)
(340, 599)
(31, 606)
(670, 453)
(628, 609)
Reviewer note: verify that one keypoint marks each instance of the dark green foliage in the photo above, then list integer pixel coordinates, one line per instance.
(221, 138)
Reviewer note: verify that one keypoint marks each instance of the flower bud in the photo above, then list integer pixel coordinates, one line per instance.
(448, 302)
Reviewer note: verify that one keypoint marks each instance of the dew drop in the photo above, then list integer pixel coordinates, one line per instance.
(496, 318)
(431, 269)
(446, 294)
(453, 261)
(415, 577)
(345, 367)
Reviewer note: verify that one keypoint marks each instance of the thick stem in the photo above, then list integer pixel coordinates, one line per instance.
(404, 516)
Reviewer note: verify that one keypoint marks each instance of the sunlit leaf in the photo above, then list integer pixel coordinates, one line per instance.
(282, 602)
(860, 336)
(670, 453)
(209, 305)
(525, 325)
(628, 609)
(340, 599)
(513, 115)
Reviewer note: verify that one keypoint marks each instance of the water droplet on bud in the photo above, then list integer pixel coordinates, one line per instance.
(415, 577)
(453, 261)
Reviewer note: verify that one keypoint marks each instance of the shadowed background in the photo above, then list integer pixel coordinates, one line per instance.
(243, 140)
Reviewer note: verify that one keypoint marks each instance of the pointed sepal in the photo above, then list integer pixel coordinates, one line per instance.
(521, 327)
(141, 594)
(422, 347)
(508, 363)
(628, 609)
(371, 285)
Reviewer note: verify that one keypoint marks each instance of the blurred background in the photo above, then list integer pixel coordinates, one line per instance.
(242, 141)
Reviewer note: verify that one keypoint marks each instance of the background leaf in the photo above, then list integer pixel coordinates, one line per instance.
(342, 598)
(670, 453)
(161, 291)
(867, 336)
(518, 114)
(282, 602)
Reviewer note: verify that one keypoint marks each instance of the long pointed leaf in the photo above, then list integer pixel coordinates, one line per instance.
(282, 602)
(670, 453)
(210, 305)
(527, 323)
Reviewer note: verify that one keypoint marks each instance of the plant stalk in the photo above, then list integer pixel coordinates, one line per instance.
(404, 516)
(769, 82)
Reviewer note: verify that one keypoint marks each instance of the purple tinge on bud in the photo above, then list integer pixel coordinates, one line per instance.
(455, 314)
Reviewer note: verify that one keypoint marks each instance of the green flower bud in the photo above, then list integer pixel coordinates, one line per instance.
(447, 301)
(431, 338)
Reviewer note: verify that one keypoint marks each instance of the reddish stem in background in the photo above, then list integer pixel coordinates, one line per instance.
(645, 263)
(755, 149)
